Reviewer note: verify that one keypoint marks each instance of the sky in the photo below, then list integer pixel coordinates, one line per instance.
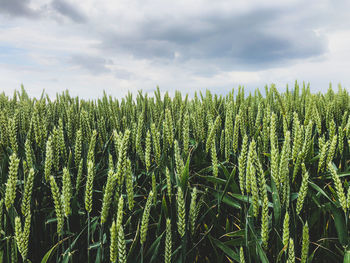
(122, 46)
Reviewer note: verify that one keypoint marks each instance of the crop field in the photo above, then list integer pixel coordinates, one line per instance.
(259, 177)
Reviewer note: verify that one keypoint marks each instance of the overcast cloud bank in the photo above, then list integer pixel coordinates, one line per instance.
(91, 46)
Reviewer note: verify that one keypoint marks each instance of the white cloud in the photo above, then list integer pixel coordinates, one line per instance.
(91, 46)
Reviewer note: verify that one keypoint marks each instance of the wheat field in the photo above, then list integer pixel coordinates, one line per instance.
(236, 178)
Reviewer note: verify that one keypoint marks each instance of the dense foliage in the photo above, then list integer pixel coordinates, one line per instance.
(235, 178)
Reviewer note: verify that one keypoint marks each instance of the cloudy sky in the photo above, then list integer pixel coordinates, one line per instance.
(127, 45)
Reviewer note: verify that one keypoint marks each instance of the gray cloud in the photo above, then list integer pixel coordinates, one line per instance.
(68, 10)
(93, 64)
(176, 45)
(122, 74)
(21, 8)
(97, 65)
(249, 41)
(17, 8)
